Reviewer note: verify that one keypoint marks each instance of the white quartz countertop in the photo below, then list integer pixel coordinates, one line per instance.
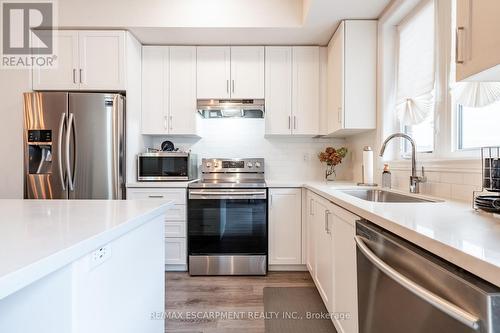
(37, 237)
(450, 230)
(172, 184)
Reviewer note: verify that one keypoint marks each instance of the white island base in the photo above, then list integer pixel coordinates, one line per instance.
(82, 266)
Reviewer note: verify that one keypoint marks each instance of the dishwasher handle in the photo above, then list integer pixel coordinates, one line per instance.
(440, 303)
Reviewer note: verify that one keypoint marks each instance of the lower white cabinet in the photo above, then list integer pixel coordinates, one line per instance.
(331, 259)
(285, 226)
(175, 223)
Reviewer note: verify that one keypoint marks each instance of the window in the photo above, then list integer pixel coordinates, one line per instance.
(416, 76)
(478, 127)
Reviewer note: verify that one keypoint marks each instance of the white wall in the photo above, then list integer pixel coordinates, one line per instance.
(12, 84)
(287, 158)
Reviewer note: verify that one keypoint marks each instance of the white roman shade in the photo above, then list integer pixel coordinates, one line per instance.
(416, 75)
(476, 94)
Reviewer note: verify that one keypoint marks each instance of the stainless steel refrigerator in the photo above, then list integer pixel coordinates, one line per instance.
(74, 145)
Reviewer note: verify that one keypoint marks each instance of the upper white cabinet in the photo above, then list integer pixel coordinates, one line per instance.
(247, 72)
(292, 90)
(213, 72)
(169, 90)
(86, 60)
(478, 43)
(285, 226)
(230, 72)
(352, 78)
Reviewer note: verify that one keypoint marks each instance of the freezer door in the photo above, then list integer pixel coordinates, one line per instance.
(45, 122)
(96, 146)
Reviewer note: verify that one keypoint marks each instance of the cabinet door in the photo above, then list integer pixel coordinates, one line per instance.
(478, 44)
(335, 100)
(102, 60)
(65, 75)
(324, 250)
(305, 90)
(213, 72)
(154, 89)
(310, 233)
(175, 251)
(345, 279)
(247, 72)
(278, 79)
(285, 226)
(182, 101)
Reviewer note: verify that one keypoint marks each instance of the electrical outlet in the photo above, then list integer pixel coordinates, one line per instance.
(99, 256)
(306, 157)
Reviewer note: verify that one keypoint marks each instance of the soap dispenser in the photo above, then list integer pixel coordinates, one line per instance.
(386, 177)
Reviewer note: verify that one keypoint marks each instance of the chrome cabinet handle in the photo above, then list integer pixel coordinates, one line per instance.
(233, 86)
(74, 75)
(165, 126)
(458, 46)
(71, 184)
(438, 302)
(327, 229)
(81, 75)
(311, 211)
(294, 122)
(227, 86)
(170, 118)
(289, 122)
(155, 196)
(59, 149)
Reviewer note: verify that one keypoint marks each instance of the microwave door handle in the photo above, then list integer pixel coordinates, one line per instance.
(62, 122)
(440, 303)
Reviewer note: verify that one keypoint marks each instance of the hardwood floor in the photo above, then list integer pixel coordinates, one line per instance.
(196, 304)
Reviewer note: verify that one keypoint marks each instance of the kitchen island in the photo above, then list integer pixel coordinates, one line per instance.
(81, 266)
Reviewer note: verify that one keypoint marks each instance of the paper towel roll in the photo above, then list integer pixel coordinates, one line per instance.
(367, 165)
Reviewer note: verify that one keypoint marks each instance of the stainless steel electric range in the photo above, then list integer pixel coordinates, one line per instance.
(227, 218)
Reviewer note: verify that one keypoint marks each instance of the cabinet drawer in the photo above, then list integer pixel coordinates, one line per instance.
(177, 195)
(175, 229)
(176, 213)
(175, 251)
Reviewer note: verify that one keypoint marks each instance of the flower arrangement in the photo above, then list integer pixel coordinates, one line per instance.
(332, 157)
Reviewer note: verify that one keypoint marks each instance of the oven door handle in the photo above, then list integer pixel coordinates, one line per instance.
(440, 303)
(227, 195)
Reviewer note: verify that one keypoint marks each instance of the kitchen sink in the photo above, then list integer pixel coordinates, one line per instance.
(383, 196)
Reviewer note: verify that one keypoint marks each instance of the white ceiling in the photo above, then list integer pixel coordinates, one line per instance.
(236, 22)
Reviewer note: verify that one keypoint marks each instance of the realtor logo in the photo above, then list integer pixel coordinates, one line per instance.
(27, 38)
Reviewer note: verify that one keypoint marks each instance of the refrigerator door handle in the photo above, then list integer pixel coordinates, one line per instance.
(62, 121)
(116, 129)
(71, 175)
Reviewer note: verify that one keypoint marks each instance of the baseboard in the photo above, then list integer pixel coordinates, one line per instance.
(176, 268)
(289, 268)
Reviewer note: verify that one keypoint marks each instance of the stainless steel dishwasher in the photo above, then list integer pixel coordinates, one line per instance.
(402, 288)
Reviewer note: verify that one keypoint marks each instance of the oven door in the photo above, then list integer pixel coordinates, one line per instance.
(227, 222)
(158, 167)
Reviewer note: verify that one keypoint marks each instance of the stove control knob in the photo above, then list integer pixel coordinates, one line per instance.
(208, 165)
(249, 165)
(257, 165)
(216, 165)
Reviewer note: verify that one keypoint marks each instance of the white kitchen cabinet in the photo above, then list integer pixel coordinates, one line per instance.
(64, 75)
(102, 60)
(87, 60)
(292, 90)
(169, 90)
(213, 72)
(247, 72)
(175, 223)
(278, 75)
(310, 233)
(285, 226)
(352, 81)
(343, 226)
(478, 43)
(323, 273)
(175, 251)
(305, 90)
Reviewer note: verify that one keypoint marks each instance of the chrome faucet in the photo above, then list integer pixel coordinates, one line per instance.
(414, 179)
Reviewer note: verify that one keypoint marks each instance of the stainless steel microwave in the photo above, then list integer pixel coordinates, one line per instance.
(167, 166)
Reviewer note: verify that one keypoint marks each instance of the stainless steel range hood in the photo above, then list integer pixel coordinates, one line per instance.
(231, 108)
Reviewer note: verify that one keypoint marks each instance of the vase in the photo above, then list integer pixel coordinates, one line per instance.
(330, 174)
